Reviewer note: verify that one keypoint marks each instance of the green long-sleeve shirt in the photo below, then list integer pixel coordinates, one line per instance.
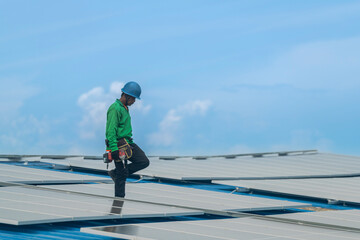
(118, 125)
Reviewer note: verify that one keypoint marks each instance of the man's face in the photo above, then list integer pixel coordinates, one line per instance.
(131, 100)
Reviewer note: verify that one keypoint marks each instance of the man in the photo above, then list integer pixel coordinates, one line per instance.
(119, 130)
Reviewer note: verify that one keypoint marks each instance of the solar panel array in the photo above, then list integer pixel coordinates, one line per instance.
(309, 165)
(340, 189)
(187, 197)
(237, 228)
(23, 174)
(23, 205)
(344, 218)
(295, 166)
(305, 174)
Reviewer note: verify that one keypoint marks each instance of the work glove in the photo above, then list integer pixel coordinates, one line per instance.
(115, 155)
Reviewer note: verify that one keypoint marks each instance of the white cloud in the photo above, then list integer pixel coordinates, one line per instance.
(95, 103)
(167, 133)
(139, 106)
(115, 88)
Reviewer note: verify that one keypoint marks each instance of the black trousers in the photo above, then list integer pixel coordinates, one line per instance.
(137, 161)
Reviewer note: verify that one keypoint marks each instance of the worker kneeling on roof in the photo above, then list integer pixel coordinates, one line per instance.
(119, 143)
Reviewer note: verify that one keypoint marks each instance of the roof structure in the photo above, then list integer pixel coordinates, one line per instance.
(23, 205)
(21, 174)
(171, 195)
(278, 195)
(235, 228)
(344, 190)
(281, 165)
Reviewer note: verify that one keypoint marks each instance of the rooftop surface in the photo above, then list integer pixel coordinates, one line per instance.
(285, 195)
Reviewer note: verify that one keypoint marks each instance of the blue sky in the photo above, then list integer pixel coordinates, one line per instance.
(218, 77)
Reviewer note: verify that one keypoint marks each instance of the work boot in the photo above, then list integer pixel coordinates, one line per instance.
(112, 174)
(117, 206)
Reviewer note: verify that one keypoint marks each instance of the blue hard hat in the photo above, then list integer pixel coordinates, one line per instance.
(132, 89)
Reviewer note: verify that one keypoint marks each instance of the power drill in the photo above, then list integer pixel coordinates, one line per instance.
(107, 158)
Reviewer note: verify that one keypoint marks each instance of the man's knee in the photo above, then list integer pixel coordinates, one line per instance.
(145, 163)
(139, 159)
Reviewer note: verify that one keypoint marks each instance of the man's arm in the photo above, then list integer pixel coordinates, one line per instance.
(111, 128)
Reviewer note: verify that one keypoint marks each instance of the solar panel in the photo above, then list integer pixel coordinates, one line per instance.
(96, 164)
(236, 228)
(241, 167)
(308, 165)
(24, 205)
(17, 158)
(345, 218)
(20, 174)
(343, 189)
(187, 197)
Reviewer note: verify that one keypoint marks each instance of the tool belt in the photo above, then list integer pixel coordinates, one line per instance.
(125, 151)
(125, 148)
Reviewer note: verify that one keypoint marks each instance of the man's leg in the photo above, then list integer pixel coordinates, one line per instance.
(138, 160)
(119, 175)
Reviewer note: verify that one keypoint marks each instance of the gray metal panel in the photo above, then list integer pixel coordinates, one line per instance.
(345, 218)
(241, 167)
(308, 165)
(17, 158)
(24, 205)
(344, 189)
(19, 174)
(238, 228)
(96, 164)
(186, 197)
